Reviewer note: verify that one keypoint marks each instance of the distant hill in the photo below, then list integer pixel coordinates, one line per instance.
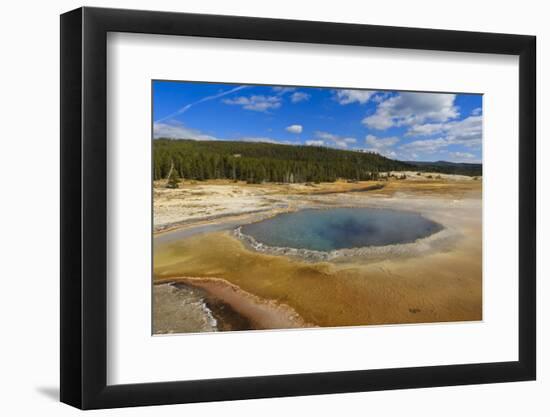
(445, 167)
(257, 162)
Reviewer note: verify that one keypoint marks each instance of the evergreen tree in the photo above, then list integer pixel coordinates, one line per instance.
(173, 179)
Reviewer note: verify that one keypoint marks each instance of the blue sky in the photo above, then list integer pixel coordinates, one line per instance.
(399, 125)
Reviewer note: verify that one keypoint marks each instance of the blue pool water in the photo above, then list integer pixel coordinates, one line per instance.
(341, 228)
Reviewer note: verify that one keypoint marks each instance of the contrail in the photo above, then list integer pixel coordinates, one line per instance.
(188, 106)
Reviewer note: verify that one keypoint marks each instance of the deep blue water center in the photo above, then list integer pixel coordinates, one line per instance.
(341, 228)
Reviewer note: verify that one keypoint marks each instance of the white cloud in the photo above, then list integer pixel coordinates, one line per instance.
(427, 129)
(297, 129)
(177, 130)
(335, 140)
(379, 98)
(352, 96)
(412, 108)
(388, 153)
(283, 90)
(476, 111)
(462, 157)
(174, 129)
(295, 97)
(256, 103)
(467, 132)
(299, 96)
(382, 146)
(426, 145)
(315, 142)
(377, 142)
(378, 121)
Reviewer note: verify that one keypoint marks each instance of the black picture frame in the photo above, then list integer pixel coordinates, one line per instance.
(84, 207)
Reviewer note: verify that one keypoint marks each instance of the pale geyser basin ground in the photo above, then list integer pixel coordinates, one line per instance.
(442, 283)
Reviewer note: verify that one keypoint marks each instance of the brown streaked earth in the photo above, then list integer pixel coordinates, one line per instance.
(441, 283)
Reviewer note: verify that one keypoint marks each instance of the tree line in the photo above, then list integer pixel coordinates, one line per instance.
(444, 167)
(257, 162)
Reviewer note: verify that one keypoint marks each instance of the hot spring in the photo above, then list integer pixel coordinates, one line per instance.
(341, 228)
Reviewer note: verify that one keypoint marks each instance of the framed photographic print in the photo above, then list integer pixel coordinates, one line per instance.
(257, 208)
